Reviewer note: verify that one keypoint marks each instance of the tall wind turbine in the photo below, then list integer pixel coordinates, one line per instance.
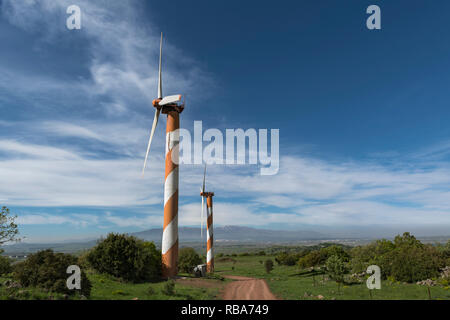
(172, 106)
(209, 225)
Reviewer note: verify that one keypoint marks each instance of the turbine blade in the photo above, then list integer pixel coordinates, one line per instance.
(155, 123)
(160, 69)
(204, 179)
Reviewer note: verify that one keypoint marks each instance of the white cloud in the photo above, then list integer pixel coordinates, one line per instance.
(43, 169)
(81, 220)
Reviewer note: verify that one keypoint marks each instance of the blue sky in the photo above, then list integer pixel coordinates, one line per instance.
(363, 115)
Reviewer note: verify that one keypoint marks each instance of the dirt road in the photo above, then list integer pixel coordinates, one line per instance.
(247, 289)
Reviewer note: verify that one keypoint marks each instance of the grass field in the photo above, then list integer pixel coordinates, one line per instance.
(286, 282)
(105, 287)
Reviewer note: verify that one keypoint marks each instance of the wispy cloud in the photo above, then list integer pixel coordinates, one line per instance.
(80, 141)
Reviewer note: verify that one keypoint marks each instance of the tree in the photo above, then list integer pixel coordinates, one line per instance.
(126, 257)
(5, 264)
(287, 259)
(336, 269)
(410, 262)
(48, 270)
(375, 253)
(312, 259)
(8, 229)
(188, 259)
(268, 264)
(335, 250)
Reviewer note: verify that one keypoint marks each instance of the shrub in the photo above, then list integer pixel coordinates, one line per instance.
(376, 253)
(336, 269)
(83, 260)
(287, 259)
(5, 265)
(268, 264)
(405, 259)
(168, 288)
(334, 250)
(414, 263)
(150, 291)
(312, 259)
(261, 253)
(47, 270)
(126, 257)
(188, 259)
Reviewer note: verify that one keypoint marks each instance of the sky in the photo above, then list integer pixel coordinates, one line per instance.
(363, 114)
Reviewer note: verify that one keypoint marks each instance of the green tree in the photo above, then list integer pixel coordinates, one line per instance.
(407, 240)
(336, 269)
(287, 259)
(410, 262)
(126, 257)
(375, 253)
(188, 259)
(268, 265)
(8, 229)
(5, 264)
(312, 259)
(48, 270)
(335, 250)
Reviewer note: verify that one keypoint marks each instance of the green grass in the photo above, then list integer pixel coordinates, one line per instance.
(287, 282)
(105, 287)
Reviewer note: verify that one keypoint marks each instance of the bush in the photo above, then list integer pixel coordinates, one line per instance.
(47, 270)
(413, 263)
(126, 257)
(334, 250)
(5, 265)
(188, 259)
(376, 253)
(312, 259)
(150, 291)
(405, 259)
(336, 269)
(168, 288)
(268, 264)
(287, 259)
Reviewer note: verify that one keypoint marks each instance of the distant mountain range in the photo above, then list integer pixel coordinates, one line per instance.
(224, 235)
(235, 234)
(231, 236)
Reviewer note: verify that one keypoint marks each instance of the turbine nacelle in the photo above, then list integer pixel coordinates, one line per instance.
(169, 103)
(207, 194)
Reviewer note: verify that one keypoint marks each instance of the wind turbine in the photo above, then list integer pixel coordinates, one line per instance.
(209, 225)
(172, 106)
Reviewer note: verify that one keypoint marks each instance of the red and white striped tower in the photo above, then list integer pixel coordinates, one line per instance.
(169, 246)
(210, 232)
(172, 106)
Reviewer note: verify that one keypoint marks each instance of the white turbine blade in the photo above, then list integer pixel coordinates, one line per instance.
(204, 179)
(160, 69)
(170, 100)
(155, 122)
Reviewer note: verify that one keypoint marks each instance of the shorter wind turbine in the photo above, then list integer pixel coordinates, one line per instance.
(209, 225)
